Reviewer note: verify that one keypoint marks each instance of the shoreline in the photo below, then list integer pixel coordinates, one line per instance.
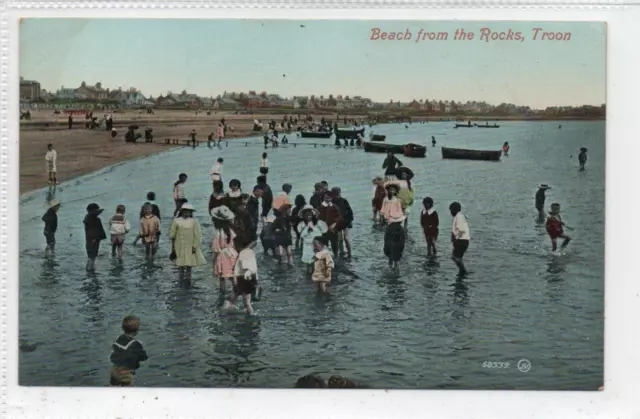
(82, 152)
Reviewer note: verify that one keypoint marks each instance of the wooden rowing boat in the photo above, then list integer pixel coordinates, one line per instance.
(349, 133)
(414, 150)
(382, 148)
(313, 134)
(488, 126)
(463, 126)
(459, 153)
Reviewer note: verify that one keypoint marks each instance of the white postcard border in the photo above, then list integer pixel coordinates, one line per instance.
(622, 298)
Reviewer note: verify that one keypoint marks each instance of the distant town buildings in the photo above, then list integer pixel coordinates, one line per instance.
(85, 95)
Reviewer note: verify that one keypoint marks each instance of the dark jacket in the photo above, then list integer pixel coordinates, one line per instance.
(93, 229)
(540, 197)
(330, 215)
(346, 213)
(316, 199)
(253, 206)
(127, 352)
(267, 198)
(390, 164)
(50, 219)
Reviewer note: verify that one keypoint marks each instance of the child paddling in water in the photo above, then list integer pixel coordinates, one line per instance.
(555, 228)
(127, 353)
(149, 231)
(245, 274)
(430, 222)
(323, 264)
(50, 219)
(118, 227)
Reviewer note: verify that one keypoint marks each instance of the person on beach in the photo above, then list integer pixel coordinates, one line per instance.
(193, 138)
(282, 198)
(50, 219)
(390, 164)
(216, 170)
(582, 158)
(505, 148)
(346, 222)
(70, 121)
(253, 207)
(308, 228)
(379, 193)
(155, 210)
(217, 196)
(51, 158)
(243, 222)
(555, 228)
(245, 275)
(210, 140)
(179, 196)
(267, 236)
(430, 222)
(220, 134)
(406, 195)
(267, 195)
(118, 228)
(127, 353)
(186, 237)
(433, 141)
(94, 234)
(459, 236)
(149, 231)
(225, 254)
(330, 214)
(318, 195)
(323, 264)
(264, 164)
(282, 233)
(394, 235)
(540, 198)
(233, 198)
(299, 204)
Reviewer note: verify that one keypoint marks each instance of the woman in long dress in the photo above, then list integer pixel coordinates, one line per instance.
(223, 245)
(309, 228)
(186, 237)
(394, 235)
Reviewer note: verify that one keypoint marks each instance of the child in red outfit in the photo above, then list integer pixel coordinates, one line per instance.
(555, 228)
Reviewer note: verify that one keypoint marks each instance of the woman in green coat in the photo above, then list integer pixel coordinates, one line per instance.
(186, 237)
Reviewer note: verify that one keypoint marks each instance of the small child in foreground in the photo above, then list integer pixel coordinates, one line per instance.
(127, 353)
(555, 228)
(245, 274)
(323, 264)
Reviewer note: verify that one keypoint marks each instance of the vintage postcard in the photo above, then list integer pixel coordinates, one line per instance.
(311, 204)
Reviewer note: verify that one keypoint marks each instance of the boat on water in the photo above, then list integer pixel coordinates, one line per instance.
(488, 126)
(415, 150)
(382, 148)
(463, 126)
(315, 134)
(378, 137)
(349, 133)
(459, 153)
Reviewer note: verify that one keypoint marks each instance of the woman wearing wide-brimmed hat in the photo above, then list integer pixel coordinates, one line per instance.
(225, 254)
(309, 228)
(186, 237)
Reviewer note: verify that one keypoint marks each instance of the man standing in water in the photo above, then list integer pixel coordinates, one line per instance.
(540, 198)
(459, 236)
(390, 164)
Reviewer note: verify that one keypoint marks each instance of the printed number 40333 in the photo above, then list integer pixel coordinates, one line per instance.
(492, 364)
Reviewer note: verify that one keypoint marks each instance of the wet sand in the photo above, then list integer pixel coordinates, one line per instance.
(81, 151)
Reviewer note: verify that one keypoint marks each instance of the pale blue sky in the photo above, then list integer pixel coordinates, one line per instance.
(325, 57)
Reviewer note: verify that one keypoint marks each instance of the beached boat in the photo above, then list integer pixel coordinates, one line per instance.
(378, 137)
(459, 153)
(349, 133)
(488, 126)
(382, 148)
(315, 134)
(463, 126)
(415, 150)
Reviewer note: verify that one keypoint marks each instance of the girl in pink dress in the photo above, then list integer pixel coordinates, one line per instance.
(224, 252)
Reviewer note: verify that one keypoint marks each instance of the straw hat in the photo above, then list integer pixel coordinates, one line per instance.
(54, 203)
(187, 207)
(307, 208)
(223, 213)
(544, 186)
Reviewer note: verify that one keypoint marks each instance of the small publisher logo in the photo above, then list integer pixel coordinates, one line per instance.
(524, 365)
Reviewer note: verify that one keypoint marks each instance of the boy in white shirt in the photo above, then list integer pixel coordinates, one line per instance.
(459, 236)
(216, 170)
(51, 157)
(245, 274)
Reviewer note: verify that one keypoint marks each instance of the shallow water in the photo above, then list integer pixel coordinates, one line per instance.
(422, 329)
